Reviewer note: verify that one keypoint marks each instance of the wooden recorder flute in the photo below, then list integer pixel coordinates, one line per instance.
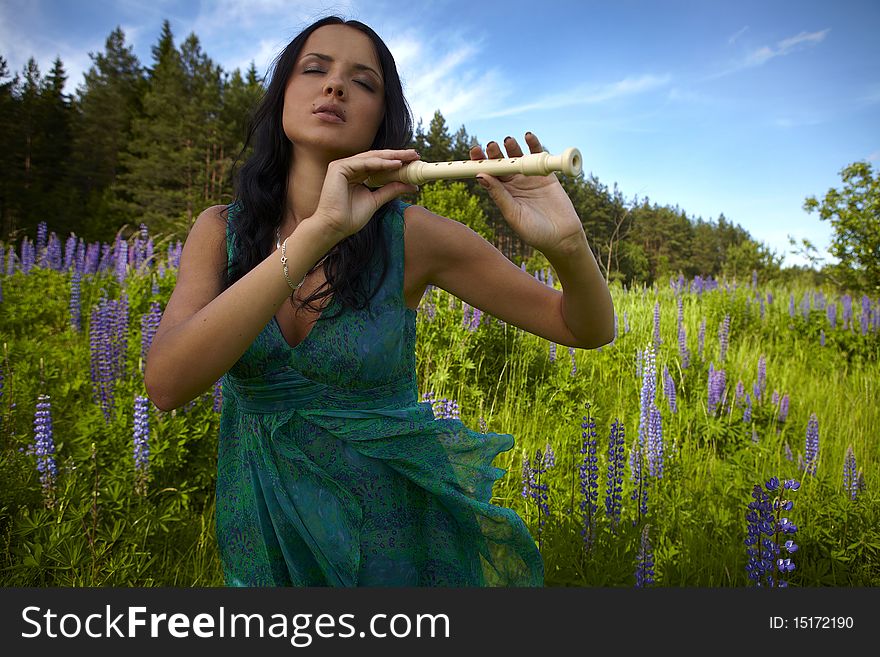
(533, 164)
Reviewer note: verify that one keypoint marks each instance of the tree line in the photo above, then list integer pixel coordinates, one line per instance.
(155, 145)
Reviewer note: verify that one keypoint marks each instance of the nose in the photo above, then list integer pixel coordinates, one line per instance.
(335, 88)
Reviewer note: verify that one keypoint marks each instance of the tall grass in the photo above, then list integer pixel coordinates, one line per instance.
(95, 529)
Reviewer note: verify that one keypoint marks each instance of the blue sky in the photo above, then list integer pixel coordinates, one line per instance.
(742, 108)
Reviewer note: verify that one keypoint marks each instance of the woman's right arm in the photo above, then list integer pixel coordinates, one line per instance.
(205, 329)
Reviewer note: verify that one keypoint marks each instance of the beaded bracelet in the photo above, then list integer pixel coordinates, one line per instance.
(284, 267)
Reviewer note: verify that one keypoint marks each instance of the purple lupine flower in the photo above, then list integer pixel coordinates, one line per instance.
(754, 278)
(552, 352)
(44, 448)
(526, 474)
(657, 340)
(69, 253)
(75, 305)
(811, 451)
(787, 452)
(761, 305)
(783, 408)
(141, 443)
(149, 325)
(846, 302)
(108, 340)
(747, 413)
(27, 256)
(626, 328)
(647, 394)
(639, 481)
(805, 305)
(218, 395)
(762, 377)
(831, 313)
(588, 473)
(655, 444)
(791, 305)
(549, 455)
(717, 385)
(764, 520)
(476, 318)
(850, 474)
(701, 338)
(447, 409)
(740, 392)
(682, 347)
(614, 479)
(639, 358)
(822, 337)
(723, 336)
(53, 253)
(42, 229)
(574, 367)
(174, 251)
(93, 255)
(669, 390)
(121, 258)
(538, 490)
(645, 561)
(615, 329)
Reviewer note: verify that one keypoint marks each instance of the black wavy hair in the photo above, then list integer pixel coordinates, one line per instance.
(261, 183)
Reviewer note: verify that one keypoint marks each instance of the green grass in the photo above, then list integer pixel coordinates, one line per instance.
(99, 532)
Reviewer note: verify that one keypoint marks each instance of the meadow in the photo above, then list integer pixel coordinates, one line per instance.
(727, 437)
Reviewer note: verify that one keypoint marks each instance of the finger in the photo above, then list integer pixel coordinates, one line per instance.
(389, 154)
(534, 143)
(493, 150)
(498, 193)
(477, 153)
(391, 191)
(513, 149)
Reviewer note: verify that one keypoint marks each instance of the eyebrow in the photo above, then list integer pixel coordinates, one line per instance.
(328, 58)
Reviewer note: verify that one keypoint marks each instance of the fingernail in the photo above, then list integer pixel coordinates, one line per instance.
(528, 133)
(483, 182)
(508, 137)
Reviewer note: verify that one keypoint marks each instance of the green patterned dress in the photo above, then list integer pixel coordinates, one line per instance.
(332, 473)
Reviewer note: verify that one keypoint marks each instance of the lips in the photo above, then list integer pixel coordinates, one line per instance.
(330, 112)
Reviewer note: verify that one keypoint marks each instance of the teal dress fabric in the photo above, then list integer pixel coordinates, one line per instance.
(332, 473)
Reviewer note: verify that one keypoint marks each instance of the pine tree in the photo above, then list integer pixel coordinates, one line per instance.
(107, 102)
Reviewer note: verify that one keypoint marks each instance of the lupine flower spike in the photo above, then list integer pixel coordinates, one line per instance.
(766, 530)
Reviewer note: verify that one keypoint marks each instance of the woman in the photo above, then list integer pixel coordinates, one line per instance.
(330, 472)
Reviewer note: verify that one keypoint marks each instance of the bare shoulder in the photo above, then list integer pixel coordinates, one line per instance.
(200, 275)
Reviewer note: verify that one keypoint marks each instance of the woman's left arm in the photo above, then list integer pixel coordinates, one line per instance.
(458, 260)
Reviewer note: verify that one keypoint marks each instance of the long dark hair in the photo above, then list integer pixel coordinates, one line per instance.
(261, 184)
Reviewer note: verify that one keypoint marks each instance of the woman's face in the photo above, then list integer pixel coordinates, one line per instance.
(334, 102)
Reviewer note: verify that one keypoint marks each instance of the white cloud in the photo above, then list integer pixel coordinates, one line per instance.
(589, 95)
(736, 36)
(764, 54)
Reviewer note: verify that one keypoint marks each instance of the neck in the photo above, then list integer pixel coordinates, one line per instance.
(305, 181)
